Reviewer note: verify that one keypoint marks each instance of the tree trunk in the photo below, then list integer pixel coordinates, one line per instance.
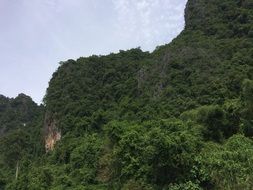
(17, 170)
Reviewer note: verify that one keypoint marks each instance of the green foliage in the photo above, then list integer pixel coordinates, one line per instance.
(247, 97)
(247, 113)
(84, 159)
(20, 136)
(160, 155)
(136, 185)
(218, 123)
(17, 112)
(230, 166)
(177, 118)
(185, 186)
(213, 118)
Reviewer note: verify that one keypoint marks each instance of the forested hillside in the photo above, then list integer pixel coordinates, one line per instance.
(179, 118)
(20, 135)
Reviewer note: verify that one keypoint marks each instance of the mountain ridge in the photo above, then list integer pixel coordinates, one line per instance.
(177, 118)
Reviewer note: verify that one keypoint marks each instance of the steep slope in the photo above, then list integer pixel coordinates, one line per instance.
(176, 118)
(173, 74)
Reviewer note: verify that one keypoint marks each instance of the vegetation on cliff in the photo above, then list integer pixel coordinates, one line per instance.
(180, 117)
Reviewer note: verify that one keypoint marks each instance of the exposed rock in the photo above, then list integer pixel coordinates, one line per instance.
(52, 133)
(141, 77)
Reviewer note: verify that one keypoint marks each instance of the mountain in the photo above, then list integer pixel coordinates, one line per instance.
(17, 112)
(180, 117)
(20, 134)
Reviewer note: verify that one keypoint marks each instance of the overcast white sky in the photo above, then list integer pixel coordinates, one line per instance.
(35, 35)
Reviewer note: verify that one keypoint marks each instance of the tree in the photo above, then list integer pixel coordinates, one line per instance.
(247, 112)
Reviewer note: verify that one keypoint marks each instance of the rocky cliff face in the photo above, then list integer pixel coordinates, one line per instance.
(52, 133)
(124, 117)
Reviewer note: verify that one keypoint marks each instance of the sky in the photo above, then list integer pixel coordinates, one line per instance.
(35, 35)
